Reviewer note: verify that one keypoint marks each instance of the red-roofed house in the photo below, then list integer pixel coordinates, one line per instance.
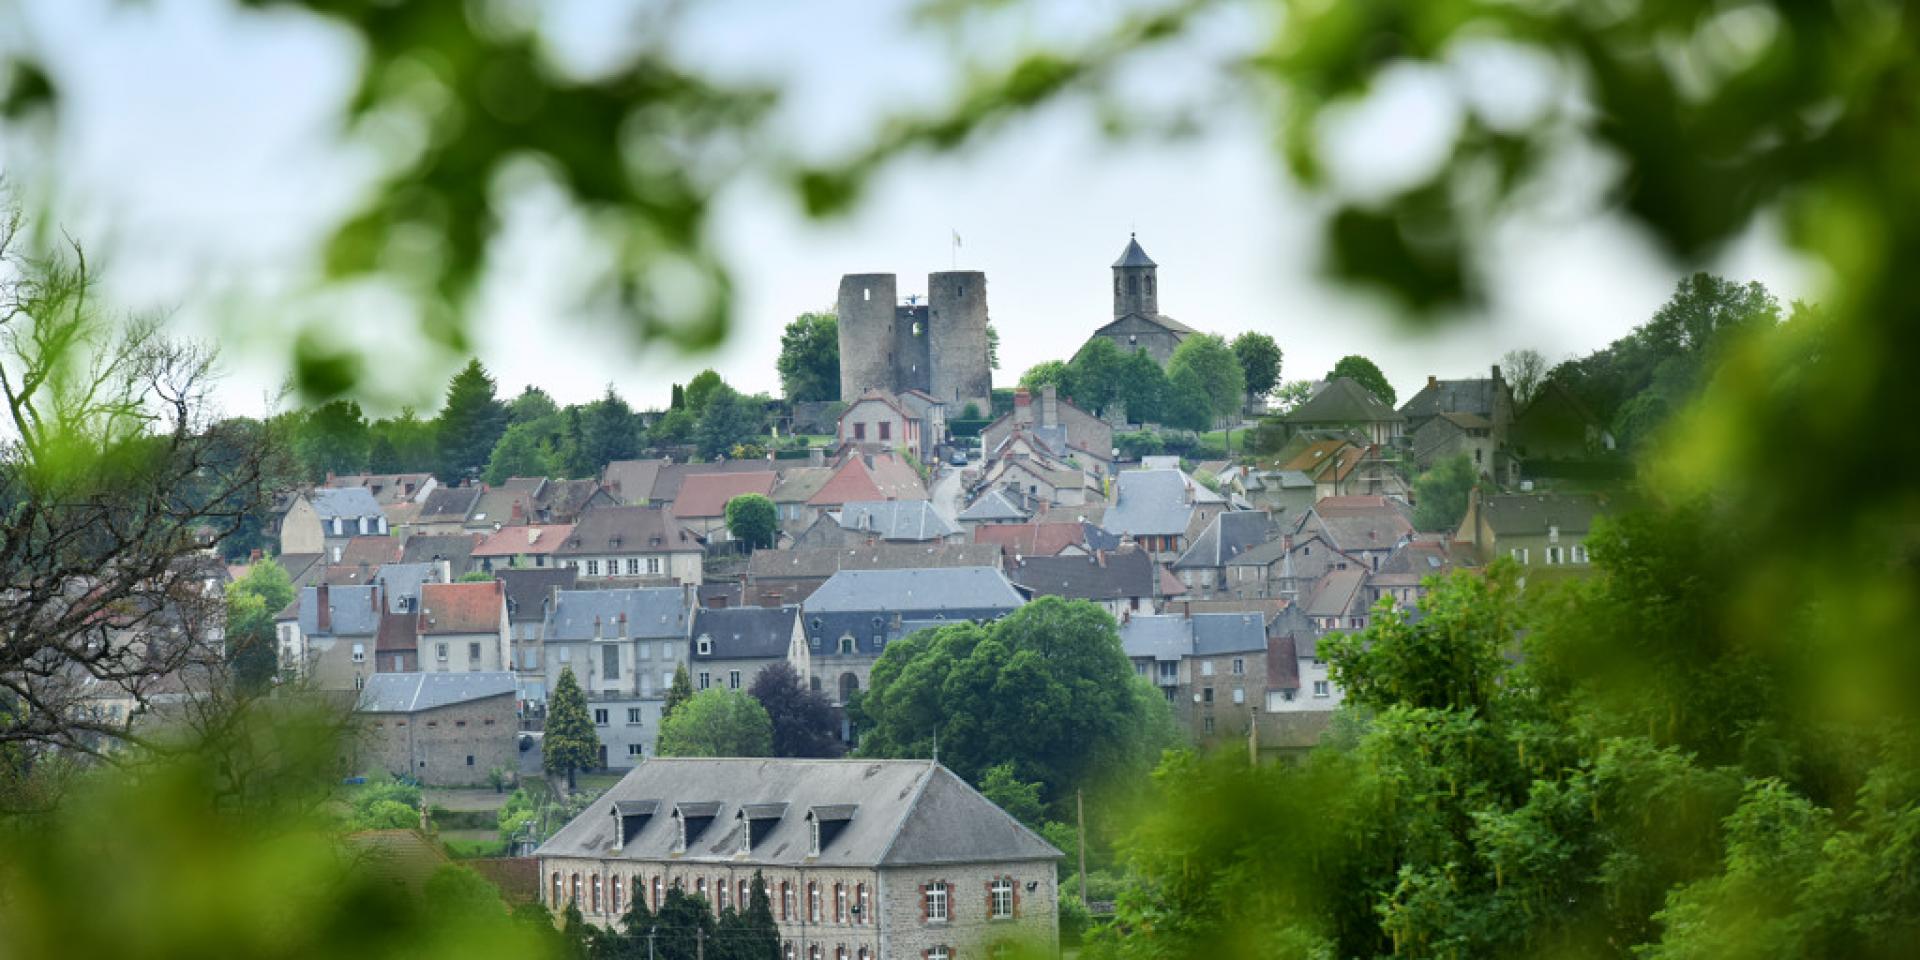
(878, 420)
(702, 504)
(867, 477)
(525, 545)
(463, 627)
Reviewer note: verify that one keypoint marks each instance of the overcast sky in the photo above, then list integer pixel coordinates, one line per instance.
(199, 161)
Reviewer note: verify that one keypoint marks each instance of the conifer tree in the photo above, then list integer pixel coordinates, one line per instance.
(570, 743)
(470, 424)
(679, 692)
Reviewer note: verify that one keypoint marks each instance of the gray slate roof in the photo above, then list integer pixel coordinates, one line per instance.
(449, 504)
(403, 580)
(413, 692)
(1451, 396)
(1522, 514)
(1228, 536)
(655, 613)
(824, 562)
(898, 813)
(346, 502)
(1134, 255)
(353, 611)
(1097, 577)
(1151, 503)
(1202, 634)
(954, 588)
(527, 589)
(745, 633)
(895, 519)
(993, 505)
(1343, 401)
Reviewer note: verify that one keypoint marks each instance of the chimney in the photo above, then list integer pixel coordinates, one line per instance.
(1186, 610)
(443, 568)
(519, 512)
(364, 571)
(254, 555)
(323, 615)
(1049, 405)
(596, 627)
(1021, 398)
(1100, 558)
(623, 624)
(1433, 381)
(1286, 543)
(373, 598)
(1496, 371)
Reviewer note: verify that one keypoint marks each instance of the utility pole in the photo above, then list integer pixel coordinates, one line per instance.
(1080, 815)
(650, 932)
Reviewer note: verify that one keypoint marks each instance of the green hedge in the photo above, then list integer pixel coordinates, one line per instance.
(966, 428)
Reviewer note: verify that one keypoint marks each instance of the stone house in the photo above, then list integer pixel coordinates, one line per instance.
(444, 729)
(702, 504)
(1400, 576)
(1124, 582)
(1211, 666)
(445, 511)
(797, 486)
(633, 542)
(1041, 480)
(1369, 528)
(322, 521)
(994, 507)
(1285, 568)
(1447, 418)
(1450, 435)
(1534, 529)
(878, 420)
(880, 521)
(329, 633)
(862, 477)
(396, 647)
(530, 594)
(1160, 509)
(622, 646)
(856, 613)
(780, 577)
(1343, 406)
(463, 628)
(1062, 430)
(730, 646)
(1202, 569)
(861, 859)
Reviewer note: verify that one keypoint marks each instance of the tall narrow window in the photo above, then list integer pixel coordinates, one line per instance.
(1000, 899)
(936, 902)
(839, 903)
(813, 902)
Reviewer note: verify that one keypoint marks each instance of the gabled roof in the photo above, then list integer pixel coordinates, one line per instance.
(352, 611)
(670, 477)
(1358, 522)
(448, 505)
(823, 562)
(1218, 633)
(528, 589)
(471, 607)
(401, 582)
(1438, 397)
(387, 488)
(1045, 538)
(1522, 514)
(1151, 503)
(1343, 400)
(372, 550)
(631, 481)
(895, 813)
(649, 613)
(413, 692)
(347, 503)
(1162, 321)
(1168, 637)
(854, 480)
(705, 495)
(908, 520)
(501, 505)
(799, 484)
(1133, 255)
(1413, 561)
(744, 633)
(528, 538)
(1334, 594)
(993, 505)
(624, 530)
(918, 590)
(1229, 535)
(455, 548)
(1098, 577)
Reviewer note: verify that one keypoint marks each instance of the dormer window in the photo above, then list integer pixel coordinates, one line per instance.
(824, 823)
(705, 646)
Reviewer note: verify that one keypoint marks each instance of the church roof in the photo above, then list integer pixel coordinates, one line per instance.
(1133, 256)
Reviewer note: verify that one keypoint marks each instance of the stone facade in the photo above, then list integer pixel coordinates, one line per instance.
(454, 745)
(939, 347)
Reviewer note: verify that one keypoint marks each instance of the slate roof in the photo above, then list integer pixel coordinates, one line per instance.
(824, 562)
(345, 502)
(912, 520)
(1218, 633)
(1228, 536)
(414, 692)
(993, 505)
(1097, 577)
(455, 548)
(799, 484)
(745, 633)
(1133, 255)
(1333, 596)
(448, 505)
(1158, 637)
(631, 481)
(1451, 396)
(387, 488)
(658, 613)
(922, 590)
(1151, 503)
(1510, 514)
(898, 813)
(352, 611)
(1414, 561)
(528, 589)
(470, 607)
(1343, 400)
(1167, 637)
(372, 550)
(1358, 522)
(706, 494)
(524, 539)
(622, 530)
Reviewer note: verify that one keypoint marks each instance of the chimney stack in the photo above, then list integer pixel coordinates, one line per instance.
(1433, 381)
(1496, 371)
(1049, 405)
(323, 616)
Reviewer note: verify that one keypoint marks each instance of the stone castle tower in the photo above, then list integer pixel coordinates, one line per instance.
(938, 346)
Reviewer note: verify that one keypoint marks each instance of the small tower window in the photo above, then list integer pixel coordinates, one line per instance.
(1133, 284)
(866, 293)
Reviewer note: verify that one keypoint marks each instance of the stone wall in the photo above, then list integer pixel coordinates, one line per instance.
(449, 746)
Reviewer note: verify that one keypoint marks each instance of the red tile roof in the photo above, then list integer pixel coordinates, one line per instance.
(528, 538)
(470, 607)
(853, 481)
(706, 494)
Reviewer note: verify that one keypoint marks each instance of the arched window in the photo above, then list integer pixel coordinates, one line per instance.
(573, 888)
(723, 895)
(787, 950)
(746, 896)
(1133, 284)
(813, 902)
(700, 888)
(656, 893)
(594, 901)
(813, 952)
(1149, 285)
(613, 902)
(1116, 284)
(839, 903)
(786, 901)
(555, 901)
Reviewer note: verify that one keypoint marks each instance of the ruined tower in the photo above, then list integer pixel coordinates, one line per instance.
(1133, 282)
(937, 345)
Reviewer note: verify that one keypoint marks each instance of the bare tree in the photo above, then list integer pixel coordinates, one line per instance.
(1524, 371)
(113, 477)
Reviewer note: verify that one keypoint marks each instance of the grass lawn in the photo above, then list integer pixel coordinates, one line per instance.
(468, 844)
(1219, 436)
(597, 781)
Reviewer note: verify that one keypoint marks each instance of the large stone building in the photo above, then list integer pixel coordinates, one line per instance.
(938, 347)
(1137, 322)
(862, 859)
(444, 729)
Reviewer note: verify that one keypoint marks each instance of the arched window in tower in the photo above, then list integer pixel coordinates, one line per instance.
(1133, 285)
(1149, 286)
(1116, 285)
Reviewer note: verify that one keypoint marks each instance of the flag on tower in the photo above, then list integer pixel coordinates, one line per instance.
(956, 238)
